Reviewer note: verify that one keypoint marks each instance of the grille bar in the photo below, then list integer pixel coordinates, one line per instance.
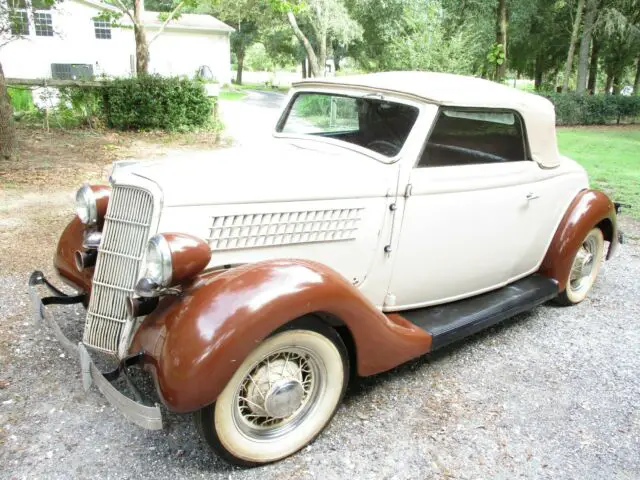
(124, 237)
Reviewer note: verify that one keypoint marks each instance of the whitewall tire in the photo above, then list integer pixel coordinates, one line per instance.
(280, 398)
(584, 268)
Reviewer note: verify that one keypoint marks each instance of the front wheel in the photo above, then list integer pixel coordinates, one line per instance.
(584, 269)
(280, 398)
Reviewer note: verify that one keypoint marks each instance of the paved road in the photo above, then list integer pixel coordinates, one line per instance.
(253, 118)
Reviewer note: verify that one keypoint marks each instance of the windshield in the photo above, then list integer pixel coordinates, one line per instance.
(378, 125)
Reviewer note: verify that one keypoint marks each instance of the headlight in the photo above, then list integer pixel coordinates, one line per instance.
(172, 259)
(159, 266)
(91, 204)
(86, 206)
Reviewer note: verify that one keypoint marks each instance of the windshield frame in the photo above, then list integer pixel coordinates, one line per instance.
(345, 91)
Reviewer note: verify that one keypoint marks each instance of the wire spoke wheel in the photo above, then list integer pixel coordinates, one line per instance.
(278, 393)
(584, 268)
(280, 398)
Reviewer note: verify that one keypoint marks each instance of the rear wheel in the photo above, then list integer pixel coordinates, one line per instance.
(280, 399)
(584, 269)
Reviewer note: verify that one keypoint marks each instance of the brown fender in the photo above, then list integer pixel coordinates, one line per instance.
(64, 262)
(195, 343)
(590, 208)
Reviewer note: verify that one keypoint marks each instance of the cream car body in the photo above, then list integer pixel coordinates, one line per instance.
(478, 227)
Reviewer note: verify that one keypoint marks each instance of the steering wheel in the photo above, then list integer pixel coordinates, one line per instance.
(384, 147)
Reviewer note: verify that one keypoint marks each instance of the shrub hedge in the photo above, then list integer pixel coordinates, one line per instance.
(574, 109)
(156, 103)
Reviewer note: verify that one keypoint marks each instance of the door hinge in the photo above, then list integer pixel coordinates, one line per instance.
(408, 190)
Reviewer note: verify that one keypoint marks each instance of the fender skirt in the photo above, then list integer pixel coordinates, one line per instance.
(590, 208)
(194, 343)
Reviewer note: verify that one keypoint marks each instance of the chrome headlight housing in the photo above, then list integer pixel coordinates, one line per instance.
(86, 206)
(158, 267)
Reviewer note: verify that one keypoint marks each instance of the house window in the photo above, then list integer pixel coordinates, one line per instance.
(473, 136)
(18, 17)
(102, 29)
(43, 24)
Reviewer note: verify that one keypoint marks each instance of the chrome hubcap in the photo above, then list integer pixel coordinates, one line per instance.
(284, 398)
(583, 265)
(278, 393)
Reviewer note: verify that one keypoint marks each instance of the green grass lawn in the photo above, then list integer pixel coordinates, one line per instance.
(611, 156)
(231, 95)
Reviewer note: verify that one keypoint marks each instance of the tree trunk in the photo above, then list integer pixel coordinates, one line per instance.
(572, 46)
(617, 86)
(7, 126)
(313, 59)
(538, 73)
(322, 57)
(240, 57)
(636, 83)
(501, 38)
(609, 83)
(304, 68)
(593, 66)
(585, 44)
(142, 47)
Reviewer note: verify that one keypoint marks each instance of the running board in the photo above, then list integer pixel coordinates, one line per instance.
(454, 321)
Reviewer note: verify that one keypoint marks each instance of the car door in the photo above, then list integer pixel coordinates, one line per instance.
(463, 211)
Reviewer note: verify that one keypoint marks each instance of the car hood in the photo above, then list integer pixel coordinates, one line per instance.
(274, 172)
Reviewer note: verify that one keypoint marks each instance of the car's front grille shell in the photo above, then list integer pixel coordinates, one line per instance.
(124, 237)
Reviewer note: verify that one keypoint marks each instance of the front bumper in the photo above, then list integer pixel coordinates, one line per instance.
(142, 415)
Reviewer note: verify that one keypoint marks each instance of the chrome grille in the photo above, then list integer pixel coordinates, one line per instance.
(124, 237)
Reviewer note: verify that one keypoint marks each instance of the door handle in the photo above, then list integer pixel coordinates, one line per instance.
(531, 196)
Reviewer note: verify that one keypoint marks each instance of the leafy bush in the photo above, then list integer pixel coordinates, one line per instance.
(21, 99)
(574, 109)
(156, 103)
(79, 106)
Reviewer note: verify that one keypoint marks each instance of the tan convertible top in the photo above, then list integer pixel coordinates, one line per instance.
(456, 90)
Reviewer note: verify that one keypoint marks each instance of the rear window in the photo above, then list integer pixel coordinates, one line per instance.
(465, 137)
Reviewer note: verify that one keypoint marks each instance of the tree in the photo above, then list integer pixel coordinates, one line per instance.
(636, 82)
(572, 45)
(326, 20)
(593, 64)
(248, 17)
(585, 45)
(245, 35)
(134, 10)
(14, 23)
(502, 23)
(7, 127)
(620, 34)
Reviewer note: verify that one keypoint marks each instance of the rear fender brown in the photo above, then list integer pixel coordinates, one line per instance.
(590, 208)
(71, 241)
(195, 343)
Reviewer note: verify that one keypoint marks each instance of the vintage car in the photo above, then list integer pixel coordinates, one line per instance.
(390, 215)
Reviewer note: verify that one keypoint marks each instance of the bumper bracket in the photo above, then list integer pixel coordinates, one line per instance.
(142, 415)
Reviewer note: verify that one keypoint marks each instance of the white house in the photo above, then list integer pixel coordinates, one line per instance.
(66, 41)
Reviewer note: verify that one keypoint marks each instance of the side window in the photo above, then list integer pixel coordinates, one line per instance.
(468, 137)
